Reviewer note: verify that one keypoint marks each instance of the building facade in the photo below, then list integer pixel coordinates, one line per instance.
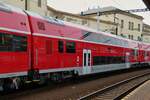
(38, 6)
(105, 25)
(128, 25)
(146, 33)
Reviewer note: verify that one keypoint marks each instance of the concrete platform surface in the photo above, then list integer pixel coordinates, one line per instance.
(141, 93)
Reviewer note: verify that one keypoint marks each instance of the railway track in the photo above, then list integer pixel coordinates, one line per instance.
(118, 90)
(73, 90)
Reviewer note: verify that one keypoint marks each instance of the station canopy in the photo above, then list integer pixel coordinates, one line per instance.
(147, 3)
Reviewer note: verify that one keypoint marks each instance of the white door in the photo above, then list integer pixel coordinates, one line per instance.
(86, 61)
(127, 60)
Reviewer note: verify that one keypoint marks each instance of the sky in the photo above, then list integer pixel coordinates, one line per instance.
(76, 6)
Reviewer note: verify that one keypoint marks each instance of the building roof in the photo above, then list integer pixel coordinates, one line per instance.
(78, 16)
(147, 3)
(109, 10)
(146, 26)
(146, 29)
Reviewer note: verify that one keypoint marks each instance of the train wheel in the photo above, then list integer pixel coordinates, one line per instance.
(57, 77)
(11, 84)
(75, 76)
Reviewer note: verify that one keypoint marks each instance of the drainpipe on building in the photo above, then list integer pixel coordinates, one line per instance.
(116, 21)
(26, 4)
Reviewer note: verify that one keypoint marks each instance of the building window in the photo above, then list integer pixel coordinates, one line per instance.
(61, 46)
(139, 27)
(132, 26)
(122, 23)
(39, 3)
(70, 47)
(129, 25)
(122, 35)
(139, 38)
(129, 36)
(84, 22)
(132, 37)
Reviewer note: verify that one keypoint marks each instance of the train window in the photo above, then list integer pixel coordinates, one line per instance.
(84, 59)
(70, 47)
(48, 47)
(5, 42)
(61, 46)
(103, 39)
(19, 43)
(101, 60)
(9, 42)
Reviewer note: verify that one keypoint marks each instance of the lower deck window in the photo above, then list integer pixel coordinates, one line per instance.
(101, 60)
(70, 47)
(9, 42)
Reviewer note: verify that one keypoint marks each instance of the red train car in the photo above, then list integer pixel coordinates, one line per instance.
(35, 47)
(15, 42)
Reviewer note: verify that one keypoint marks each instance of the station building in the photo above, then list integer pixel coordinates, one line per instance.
(146, 33)
(105, 25)
(128, 25)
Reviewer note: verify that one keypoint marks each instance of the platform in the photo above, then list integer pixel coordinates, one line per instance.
(141, 93)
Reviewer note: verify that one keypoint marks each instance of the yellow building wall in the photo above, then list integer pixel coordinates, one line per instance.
(32, 5)
(125, 30)
(146, 38)
(16, 3)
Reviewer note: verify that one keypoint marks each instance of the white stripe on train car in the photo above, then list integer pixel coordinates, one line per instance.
(58, 69)
(14, 30)
(6, 75)
(94, 69)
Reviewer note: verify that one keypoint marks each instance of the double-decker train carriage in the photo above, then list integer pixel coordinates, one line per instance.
(33, 47)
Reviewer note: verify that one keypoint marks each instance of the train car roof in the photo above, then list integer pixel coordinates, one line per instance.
(13, 19)
(60, 22)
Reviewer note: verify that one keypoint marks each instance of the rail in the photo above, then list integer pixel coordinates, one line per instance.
(108, 88)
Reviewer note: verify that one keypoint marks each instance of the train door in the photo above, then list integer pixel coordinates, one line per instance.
(127, 61)
(86, 61)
